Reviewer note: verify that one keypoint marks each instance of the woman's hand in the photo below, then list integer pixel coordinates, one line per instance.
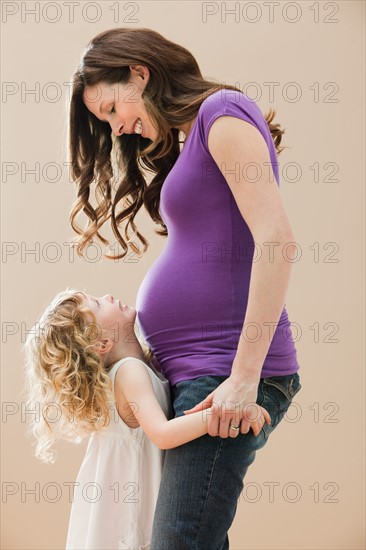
(233, 403)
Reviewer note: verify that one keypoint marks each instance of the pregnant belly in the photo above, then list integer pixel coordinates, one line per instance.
(178, 299)
(191, 315)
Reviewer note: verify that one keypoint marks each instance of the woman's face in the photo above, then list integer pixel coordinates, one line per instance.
(121, 105)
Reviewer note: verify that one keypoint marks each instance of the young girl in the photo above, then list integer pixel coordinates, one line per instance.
(74, 354)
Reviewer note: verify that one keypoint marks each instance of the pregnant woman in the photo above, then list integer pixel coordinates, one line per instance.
(212, 306)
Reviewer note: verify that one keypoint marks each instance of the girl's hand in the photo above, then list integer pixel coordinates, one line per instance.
(233, 404)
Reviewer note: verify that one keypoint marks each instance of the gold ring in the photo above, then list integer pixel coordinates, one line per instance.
(234, 427)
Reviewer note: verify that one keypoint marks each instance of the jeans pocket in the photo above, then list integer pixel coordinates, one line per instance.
(278, 393)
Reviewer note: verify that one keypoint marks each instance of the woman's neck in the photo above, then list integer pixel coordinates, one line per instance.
(187, 127)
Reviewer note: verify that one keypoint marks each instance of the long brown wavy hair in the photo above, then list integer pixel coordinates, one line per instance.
(66, 382)
(172, 96)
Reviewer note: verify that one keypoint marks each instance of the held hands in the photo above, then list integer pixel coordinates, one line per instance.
(233, 404)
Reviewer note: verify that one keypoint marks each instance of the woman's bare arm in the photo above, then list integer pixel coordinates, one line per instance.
(234, 142)
(237, 145)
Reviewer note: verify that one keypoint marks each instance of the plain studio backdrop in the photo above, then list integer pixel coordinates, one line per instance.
(305, 489)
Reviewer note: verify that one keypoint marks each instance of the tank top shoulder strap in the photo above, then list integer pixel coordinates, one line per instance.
(112, 372)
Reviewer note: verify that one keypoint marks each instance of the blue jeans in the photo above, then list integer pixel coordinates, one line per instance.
(202, 480)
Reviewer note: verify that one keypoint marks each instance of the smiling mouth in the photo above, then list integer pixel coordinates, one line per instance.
(137, 129)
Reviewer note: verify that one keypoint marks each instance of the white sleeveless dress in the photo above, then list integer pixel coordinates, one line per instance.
(118, 482)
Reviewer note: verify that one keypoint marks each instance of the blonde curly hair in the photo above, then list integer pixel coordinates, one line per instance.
(63, 370)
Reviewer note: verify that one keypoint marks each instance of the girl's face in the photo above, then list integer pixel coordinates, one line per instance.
(121, 105)
(112, 316)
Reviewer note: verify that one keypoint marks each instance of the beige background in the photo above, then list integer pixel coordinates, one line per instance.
(319, 448)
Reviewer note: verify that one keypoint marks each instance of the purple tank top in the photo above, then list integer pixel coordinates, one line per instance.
(191, 304)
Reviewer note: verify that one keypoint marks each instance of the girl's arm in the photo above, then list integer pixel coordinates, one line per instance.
(134, 383)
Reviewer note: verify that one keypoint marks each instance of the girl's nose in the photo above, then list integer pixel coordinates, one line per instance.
(109, 297)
